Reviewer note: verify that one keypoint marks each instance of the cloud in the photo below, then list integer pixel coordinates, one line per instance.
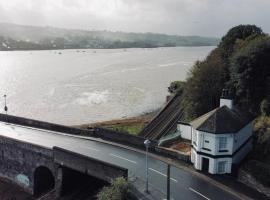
(184, 17)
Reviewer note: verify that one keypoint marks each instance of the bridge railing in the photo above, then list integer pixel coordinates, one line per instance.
(91, 166)
(44, 125)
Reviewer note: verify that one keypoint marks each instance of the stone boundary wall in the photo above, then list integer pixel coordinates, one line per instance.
(44, 125)
(173, 154)
(123, 138)
(169, 141)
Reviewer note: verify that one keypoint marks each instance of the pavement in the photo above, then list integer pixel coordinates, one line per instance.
(185, 183)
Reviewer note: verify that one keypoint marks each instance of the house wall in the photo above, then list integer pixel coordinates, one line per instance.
(228, 167)
(196, 159)
(185, 131)
(209, 143)
(240, 155)
(242, 136)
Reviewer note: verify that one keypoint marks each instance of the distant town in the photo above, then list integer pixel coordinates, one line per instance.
(18, 37)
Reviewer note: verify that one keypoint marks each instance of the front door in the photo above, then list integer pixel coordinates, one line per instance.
(205, 164)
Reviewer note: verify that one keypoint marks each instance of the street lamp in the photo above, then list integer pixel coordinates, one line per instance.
(5, 108)
(147, 144)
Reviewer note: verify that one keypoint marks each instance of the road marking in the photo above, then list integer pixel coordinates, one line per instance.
(162, 174)
(91, 148)
(123, 158)
(198, 193)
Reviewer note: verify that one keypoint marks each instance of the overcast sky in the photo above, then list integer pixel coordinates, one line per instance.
(182, 17)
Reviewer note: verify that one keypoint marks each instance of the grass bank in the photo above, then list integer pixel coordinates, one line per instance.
(131, 125)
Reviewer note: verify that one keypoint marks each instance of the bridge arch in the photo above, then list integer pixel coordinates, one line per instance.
(44, 180)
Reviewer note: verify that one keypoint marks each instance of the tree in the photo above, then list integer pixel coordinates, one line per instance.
(250, 73)
(204, 85)
(176, 87)
(240, 32)
(265, 107)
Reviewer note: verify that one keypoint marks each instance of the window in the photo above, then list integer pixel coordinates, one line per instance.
(222, 143)
(194, 137)
(206, 141)
(222, 167)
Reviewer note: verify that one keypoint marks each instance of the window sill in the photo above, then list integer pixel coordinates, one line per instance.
(223, 151)
(206, 149)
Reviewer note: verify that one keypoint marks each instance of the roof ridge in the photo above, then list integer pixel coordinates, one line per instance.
(206, 114)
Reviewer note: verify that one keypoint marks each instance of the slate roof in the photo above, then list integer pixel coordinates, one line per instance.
(221, 120)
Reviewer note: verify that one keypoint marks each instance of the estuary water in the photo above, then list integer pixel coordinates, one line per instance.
(81, 86)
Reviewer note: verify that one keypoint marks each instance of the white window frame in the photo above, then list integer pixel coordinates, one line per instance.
(221, 168)
(222, 143)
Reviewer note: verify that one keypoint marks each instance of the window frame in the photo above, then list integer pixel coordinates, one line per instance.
(221, 168)
(222, 143)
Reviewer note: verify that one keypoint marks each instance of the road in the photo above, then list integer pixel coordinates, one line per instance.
(184, 185)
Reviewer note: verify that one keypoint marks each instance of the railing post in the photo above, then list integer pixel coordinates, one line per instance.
(168, 182)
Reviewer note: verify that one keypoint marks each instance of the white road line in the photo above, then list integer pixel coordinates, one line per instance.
(198, 193)
(91, 148)
(162, 174)
(123, 158)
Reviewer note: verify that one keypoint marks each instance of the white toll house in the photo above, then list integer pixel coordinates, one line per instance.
(220, 138)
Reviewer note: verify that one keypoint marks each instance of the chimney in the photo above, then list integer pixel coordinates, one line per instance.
(226, 99)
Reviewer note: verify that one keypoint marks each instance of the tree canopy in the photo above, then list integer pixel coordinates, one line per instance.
(241, 63)
(240, 32)
(250, 73)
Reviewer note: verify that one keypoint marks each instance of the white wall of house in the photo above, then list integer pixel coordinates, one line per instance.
(185, 131)
(197, 160)
(209, 143)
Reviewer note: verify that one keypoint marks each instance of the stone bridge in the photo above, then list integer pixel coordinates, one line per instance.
(39, 169)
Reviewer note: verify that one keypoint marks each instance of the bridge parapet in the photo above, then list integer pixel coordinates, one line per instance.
(93, 167)
(44, 125)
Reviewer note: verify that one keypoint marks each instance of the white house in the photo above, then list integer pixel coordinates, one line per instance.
(219, 138)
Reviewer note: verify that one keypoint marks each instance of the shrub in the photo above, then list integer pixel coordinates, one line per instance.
(120, 189)
(265, 107)
(259, 170)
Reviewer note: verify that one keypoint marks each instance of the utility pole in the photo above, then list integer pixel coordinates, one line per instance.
(168, 182)
(147, 144)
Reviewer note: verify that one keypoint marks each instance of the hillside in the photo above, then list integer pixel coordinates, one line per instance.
(19, 37)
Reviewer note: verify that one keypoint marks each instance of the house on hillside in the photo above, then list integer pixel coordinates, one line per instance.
(220, 138)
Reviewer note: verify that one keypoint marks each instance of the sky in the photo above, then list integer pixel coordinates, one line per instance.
(181, 17)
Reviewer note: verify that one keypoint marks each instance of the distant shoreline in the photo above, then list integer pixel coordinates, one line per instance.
(62, 49)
